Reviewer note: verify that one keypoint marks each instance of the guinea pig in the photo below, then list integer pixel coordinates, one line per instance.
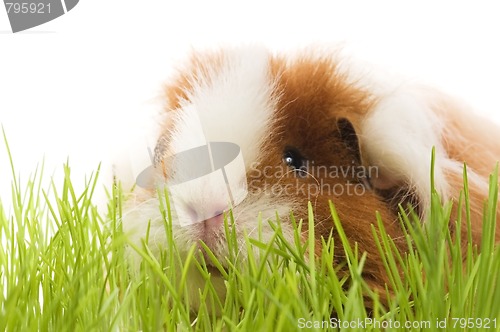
(311, 127)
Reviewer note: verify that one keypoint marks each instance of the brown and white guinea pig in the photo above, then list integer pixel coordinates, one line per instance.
(309, 127)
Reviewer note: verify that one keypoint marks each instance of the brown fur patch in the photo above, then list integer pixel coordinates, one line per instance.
(314, 96)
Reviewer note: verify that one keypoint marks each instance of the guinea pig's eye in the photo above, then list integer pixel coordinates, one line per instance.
(295, 160)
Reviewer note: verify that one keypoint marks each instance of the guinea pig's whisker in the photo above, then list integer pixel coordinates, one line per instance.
(323, 220)
(307, 173)
(319, 186)
(240, 212)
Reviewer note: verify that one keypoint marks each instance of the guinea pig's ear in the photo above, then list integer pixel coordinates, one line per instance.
(349, 137)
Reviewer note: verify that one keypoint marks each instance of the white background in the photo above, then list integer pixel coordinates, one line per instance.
(86, 85)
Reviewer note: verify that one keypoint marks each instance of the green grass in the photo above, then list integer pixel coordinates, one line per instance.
(63, 267)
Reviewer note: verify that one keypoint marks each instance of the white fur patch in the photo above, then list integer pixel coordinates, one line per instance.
(231, 102)
(398, 137)
(234, 104)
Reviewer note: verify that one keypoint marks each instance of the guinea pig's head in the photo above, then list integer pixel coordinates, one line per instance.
(295, 124)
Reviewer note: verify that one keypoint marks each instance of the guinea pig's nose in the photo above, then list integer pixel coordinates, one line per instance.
(216, 220)
(208, 216)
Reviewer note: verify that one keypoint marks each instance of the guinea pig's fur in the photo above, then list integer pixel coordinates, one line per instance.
(311, 129)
